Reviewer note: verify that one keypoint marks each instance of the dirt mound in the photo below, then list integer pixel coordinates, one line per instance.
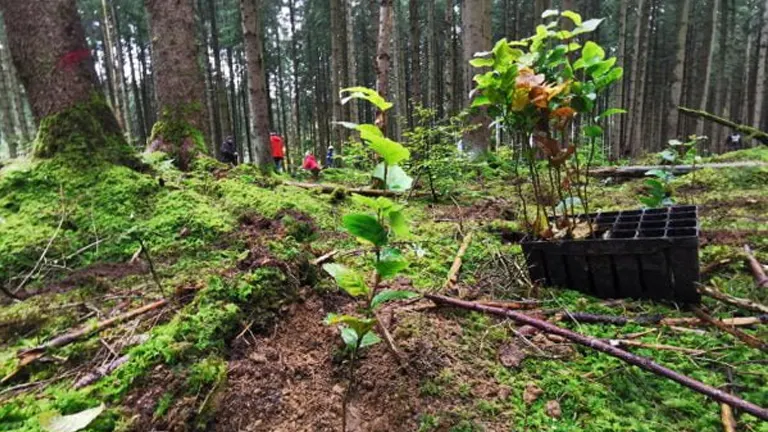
(288, 381)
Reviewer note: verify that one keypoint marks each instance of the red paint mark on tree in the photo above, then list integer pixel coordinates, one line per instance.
(73, 58)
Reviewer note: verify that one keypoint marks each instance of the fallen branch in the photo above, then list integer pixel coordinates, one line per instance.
(746, 338)
(325, 257)
(638, 344)
(587, 318)
(29, 356)
(453, 273)
(749, 131)
(100, 372)
(639, 171)
(390, 342)
(514, 305)
(599, 345)
(734, 301)
(726, 416)
(715, 266)
(331, 188)
(757, 270)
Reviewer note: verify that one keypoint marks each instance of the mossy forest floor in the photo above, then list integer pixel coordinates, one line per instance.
(241, 344)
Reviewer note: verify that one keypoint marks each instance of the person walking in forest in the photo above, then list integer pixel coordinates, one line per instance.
(278, 150)
(310, 164)
(733, 141)
(229, 151)
(329, 157)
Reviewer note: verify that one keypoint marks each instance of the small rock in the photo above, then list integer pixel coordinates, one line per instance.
(338, 389)
(553, 409)
(531, 393)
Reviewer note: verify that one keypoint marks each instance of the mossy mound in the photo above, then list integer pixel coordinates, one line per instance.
(83, 134)
(179, 139)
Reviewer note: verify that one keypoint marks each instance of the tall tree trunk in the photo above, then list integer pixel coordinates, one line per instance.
(617, 128)
(254, 55)
(338, 70)
(639, 75)
(211, 80)
(296, 87)
(282, 105)
(7, 119)
(108, 65)
(476, 31)
(540, 6)
(233, 103)
(761, 107)
(351, 59)
(716, 136)
(398, 68)
(179, 82)
(746, 108)
(147, 88)
(383, 58)
(432, 75)
(676, 89)
(415, 40)
(48, 47)
(138, 103)
(710, 48)
(449, 75)
(116, 72)
(123, 81)
(225, 125)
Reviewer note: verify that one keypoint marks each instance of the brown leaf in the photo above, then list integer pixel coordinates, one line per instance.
(527, 78)
(553, 409)
(539, 96)
(550, 146)
(531, 393)
(511, 355)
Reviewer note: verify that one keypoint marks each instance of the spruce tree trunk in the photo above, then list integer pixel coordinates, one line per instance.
(640, 66)
(296, 89)
(179, 83)
(338, 71)
(383, 58)
(233, 104)
(415, 41)
(53, 62)
(617, 128)
(761, 108)
(710, 48)
(123, 79)
(351, 60)
(449, 66)
(257, 100)
(225, 126)
(476, 31)
(7, 119)
(716, 135)
(676, 88)
(432, 75)
(116, 73)
(138, 103)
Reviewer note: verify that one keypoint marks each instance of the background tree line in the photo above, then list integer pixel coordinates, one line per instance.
(708, 54)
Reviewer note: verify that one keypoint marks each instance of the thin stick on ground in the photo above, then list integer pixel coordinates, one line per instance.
(453, 273)
(744, 337)
(29, 356)
(390, 342)
(599, 345)
(581, 317)
(42, 256)
(757, 270)
(325, 257)
(742, 303)
(662, 347)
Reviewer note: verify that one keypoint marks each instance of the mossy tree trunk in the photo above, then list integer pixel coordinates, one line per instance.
(53, 62)
(257, 100)
(179, 82)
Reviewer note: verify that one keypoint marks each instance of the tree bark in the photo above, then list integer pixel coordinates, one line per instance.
(676, 88)
(140, 119)
(383, 58)
(338, 71)
(351, 59)
(7, 120)
(415, 42)
(179, 82)
(710, 48)
(759, 121)
(476, 32)
(449, 64)
(123, 81)
(296, 87)
(259, 130)
(49, 50)
(233, 103)
(115, 73)
(640, 66)
(432, 56)
(618, 95)
(225, 125)
(641, 362)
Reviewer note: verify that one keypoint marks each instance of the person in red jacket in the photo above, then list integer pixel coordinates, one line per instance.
(310, 164)
(278, 152)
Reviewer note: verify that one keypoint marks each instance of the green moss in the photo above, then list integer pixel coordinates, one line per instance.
(83, 134)
(177, 137)
(759, 153)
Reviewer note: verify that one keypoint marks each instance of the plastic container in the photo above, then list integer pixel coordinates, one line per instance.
(651, 254)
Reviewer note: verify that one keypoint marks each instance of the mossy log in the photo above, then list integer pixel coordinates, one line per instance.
(330, 188)
(748, 131)
(639, 171)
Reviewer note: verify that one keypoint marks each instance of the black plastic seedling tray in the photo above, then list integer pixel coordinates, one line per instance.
(650, 253)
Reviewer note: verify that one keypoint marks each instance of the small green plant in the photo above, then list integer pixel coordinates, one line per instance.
(377, 227)
(535, 88)
(658, 190)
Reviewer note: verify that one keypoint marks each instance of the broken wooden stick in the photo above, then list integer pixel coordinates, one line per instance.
(325, 257)
(746, 338)
(453, 273)
(757, 270)
(733, 301)
(28, 356)
(599, 345)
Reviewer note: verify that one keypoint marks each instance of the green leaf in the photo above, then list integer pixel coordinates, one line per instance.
(611, 111)
(364, 201)
(391, 151)
(397, 179)
(390, 263)
(361, 326)
(391, 295)
(369, 339)
(481, 62)
(593, 131)
(53, 421)
(587, 26)
(369, 129)
(550, 13)
(398, 223)
(480, 100)
(349, 336)
(573, 16)
(600, 68)
(366, 227)
(351, 281)
(367, 94)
